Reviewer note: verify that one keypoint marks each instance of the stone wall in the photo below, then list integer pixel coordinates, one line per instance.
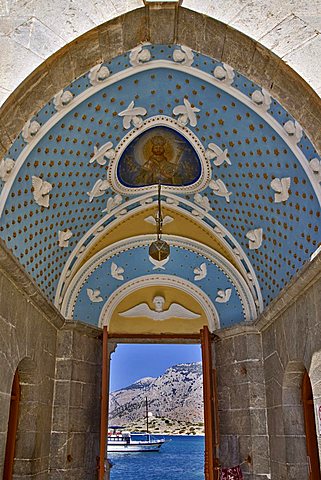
(27, 343)
(242, 404)
(76, 409)
(291, 344)
(260, 372)
(59, 366)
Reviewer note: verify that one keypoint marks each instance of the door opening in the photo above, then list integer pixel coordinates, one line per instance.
(170, 377)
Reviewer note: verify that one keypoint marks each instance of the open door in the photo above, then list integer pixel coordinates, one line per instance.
(310, 429)
(211, 462)
(12, 428)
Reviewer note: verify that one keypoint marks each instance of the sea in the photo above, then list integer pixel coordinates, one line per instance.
(180, 458)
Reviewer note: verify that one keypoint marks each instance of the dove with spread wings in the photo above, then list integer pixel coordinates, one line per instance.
(41, 190)
(174, 310)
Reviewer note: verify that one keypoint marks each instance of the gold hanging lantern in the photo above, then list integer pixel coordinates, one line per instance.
(159, 250)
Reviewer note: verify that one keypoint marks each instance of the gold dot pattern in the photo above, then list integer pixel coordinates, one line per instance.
(257, 153)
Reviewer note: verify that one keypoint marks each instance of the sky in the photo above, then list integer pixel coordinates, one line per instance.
(130, 362)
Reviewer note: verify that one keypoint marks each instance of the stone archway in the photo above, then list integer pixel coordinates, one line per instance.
(26, 423)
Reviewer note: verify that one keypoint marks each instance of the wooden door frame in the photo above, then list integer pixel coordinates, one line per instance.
(12, 428)
(205, 339)
(310, 428)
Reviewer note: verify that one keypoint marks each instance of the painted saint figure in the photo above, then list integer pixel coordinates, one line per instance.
(157, 168)
(159, 155)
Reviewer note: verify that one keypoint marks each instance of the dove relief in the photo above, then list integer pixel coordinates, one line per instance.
(281, 186)
(41, 190)
(223, 296)
(219, 188)
(94, 295)
(98, 189)
(186, 114)
(116, 272)
(98, 74)
(6, 167)
(224, 73)
(62, 99)
(102, 153)
(200, 272)
(184, 56)
(255, 238)
(132, 116)
(215, 152)
(139, 55)
(64, 237)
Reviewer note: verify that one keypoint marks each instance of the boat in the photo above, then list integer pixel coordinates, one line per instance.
(121, 441)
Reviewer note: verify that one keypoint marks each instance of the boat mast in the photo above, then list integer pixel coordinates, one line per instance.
(147, 416)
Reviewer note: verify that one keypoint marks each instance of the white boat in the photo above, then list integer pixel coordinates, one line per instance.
(125, 442)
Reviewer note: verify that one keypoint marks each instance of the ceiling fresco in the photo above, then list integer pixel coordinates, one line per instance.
(230, 159)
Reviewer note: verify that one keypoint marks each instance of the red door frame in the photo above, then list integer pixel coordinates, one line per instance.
(211, 464)
(310, 429)
(12, 428)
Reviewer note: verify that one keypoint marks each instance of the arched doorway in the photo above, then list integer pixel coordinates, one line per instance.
(310, 432)
(12, 428)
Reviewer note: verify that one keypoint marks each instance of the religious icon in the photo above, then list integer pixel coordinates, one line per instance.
(159, 155)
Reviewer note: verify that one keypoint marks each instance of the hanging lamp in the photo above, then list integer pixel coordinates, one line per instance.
(159, 250)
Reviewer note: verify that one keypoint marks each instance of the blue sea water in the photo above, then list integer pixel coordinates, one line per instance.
(181, 458)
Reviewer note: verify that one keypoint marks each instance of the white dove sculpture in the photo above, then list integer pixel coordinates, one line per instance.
(94, 295)
(64, 237)
(294, 130)
(224, 73)
(132, 115)
(116, 272)
(62, 99)
(172, 201)
(223, 296)
(315, 165)
(215, 152)
(219, 188)
(262, 98)
(184, 56)
(6, 167)
(103, 152)
(152, 220)
(98, 74)
(113, 202)
(281, 186)
(41, 190)
(139, 55)
(200, 272)
(202, 201)
(158, 264)
(255, 238)
(186, 114)
(219, 231)
(30, 130)
(98, 189)
(175, 310)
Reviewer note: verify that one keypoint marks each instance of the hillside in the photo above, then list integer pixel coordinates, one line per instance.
(175, 396)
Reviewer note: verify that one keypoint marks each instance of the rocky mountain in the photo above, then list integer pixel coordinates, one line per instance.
(177, 395)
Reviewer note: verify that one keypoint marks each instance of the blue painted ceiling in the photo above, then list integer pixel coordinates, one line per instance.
(257, 153)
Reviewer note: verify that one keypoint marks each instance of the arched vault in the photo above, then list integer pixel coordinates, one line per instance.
(241, 185)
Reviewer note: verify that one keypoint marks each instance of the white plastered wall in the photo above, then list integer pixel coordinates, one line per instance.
(31, 31)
